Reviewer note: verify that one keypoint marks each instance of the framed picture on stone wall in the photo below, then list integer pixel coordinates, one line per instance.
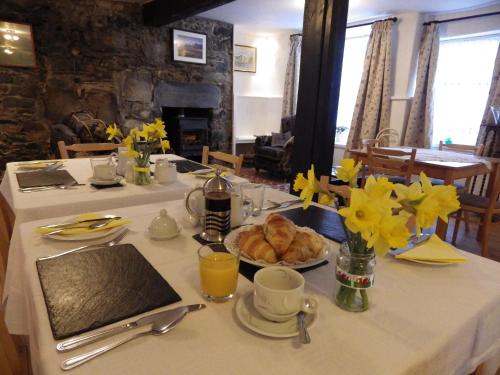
(16, 45)
(245, 59)
(189, 47)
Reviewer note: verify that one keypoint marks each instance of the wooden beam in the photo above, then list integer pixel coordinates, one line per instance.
(162, 12)
(319, 85)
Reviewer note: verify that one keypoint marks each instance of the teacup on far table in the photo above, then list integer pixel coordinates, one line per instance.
(279, 294)
(103, 169)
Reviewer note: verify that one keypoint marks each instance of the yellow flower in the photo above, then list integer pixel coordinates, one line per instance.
(165, 145)
(348, 171)
(361, 215)
(159, 128)
(326, 199)
(300, 182)
(412, 193)
(135, 134)
(310, 188)
(147, 131)
(391, 233)
(378, 188)
(131, 153)
(113, 132)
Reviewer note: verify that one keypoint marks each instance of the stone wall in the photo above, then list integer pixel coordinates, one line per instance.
(96, 55)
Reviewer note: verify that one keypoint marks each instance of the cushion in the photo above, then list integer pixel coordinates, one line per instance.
(460, 185)
(467, 199)
(279, 139)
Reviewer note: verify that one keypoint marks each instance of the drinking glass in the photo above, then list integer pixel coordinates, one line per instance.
(218, 273)
(255, 192)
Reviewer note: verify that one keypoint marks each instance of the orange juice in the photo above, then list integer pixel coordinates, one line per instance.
(218, 274)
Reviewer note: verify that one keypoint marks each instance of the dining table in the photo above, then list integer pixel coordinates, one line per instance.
(76, 200)
(448, 166)
(423, 319)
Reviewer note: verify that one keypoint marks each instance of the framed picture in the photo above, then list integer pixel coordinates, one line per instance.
(16, 45)
(245, 59)
(189, 47)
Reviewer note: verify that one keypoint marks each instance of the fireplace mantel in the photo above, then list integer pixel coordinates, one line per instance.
(186, 95)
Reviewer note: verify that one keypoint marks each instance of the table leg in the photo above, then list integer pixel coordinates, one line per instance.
(442, 227)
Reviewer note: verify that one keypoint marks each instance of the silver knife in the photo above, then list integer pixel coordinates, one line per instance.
(62, 225)
(173, 314)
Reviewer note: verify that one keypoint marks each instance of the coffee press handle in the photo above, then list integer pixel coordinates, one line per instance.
(188, 206)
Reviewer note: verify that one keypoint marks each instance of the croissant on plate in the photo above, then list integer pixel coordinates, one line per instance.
(304, 246)
(279, 232)
(254, 244)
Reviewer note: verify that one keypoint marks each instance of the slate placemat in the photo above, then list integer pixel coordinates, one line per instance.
(44, 178)
(87, 290)
(325, 222)
(186, 166)
(248, 270)
(106, 186)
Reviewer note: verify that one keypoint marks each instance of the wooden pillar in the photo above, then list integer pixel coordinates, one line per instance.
(319, 85)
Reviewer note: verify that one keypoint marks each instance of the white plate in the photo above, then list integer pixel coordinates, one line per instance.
(231, 243)
(255, 322)
(94, 181)
(85, 236)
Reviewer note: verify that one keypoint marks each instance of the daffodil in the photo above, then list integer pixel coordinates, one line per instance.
(113, 132)
(348, 171)
(300, 182)
(165, 144)
(311, 188)
(378, 188)
(326, 199)
(391, 232)
(361, 215)
(135, 134)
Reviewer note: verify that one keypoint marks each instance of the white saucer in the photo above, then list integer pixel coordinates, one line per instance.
(95, 181)
(165, 237)
(255, 322)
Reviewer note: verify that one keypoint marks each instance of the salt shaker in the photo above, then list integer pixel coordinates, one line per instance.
(129, 171)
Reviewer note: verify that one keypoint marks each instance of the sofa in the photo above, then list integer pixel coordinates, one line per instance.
(274, 153)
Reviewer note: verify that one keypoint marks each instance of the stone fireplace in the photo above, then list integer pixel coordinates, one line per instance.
(102, 59)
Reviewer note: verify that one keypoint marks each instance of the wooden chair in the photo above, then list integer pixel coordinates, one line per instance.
(465, 149)
(380, 139)
(391, 163)
(484, 211)
(85, 147)
(236, 161)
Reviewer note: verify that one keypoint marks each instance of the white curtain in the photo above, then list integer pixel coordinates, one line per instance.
(292, 77)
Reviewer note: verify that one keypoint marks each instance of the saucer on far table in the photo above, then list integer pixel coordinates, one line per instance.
(95, 181)
(250, 318)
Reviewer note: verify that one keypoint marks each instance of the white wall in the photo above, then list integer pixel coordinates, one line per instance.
(258, 96)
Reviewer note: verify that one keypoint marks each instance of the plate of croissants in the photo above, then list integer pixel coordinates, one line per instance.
(278, 242)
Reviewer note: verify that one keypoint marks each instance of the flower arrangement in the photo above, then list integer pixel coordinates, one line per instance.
(378, 217)
(140, 145)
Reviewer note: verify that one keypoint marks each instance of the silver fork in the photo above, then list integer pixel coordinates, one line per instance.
(111, 242)
(277, 205)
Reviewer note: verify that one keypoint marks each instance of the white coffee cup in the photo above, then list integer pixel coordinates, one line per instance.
(279, 293)
(105, 172)
(165, 172)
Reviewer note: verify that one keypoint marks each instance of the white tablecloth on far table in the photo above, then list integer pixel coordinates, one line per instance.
(423, 320)
(54, 203)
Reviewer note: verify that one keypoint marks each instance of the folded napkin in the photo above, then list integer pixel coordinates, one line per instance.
(39, 165)
(84, 227)
(433, 250)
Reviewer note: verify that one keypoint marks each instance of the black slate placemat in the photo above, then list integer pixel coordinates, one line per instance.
(106, 186)
(44, 178)
(248, 270)
(186, 166)
(325, 222)
(87, 290)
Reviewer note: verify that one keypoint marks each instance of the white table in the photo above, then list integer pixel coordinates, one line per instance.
(54, 203)
(423, 319)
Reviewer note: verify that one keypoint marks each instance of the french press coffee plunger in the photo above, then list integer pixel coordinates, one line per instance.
(217, 217)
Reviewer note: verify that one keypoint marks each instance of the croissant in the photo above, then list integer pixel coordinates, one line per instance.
(254, 244)
(279, 232)
(304, 246)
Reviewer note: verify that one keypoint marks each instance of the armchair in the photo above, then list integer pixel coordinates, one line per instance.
(276, 159)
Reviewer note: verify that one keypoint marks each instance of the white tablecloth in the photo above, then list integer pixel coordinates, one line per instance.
(423, 319)
(54, 203)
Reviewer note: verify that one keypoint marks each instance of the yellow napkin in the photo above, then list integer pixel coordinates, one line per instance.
(38, 165)
(433, 250)
(83, 227)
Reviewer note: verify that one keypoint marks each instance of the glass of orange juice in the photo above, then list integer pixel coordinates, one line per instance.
(218, 273)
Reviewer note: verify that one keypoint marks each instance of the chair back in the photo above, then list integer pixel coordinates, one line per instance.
(391, 162)
(236, 161)
(385, 136)
(465, 149)
(342, 190)
(85, 147)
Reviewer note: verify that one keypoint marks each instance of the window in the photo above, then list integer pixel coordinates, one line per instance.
(461, 86)
(352, 69)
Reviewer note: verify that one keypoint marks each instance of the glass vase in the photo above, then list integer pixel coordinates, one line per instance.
(142, 175)
(354, 274)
